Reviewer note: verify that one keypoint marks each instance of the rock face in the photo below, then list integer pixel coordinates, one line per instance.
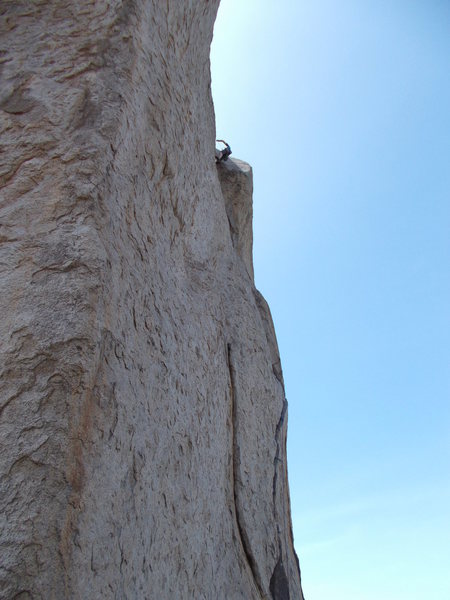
(236, 181)
(142, 408)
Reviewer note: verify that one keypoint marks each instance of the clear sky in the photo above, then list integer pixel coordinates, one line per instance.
(342, 107)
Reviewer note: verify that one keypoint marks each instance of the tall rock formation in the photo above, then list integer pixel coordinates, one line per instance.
(142, 409)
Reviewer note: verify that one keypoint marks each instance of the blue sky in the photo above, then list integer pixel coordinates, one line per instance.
(343, 110)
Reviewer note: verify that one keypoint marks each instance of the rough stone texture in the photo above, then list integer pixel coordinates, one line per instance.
(142, 409)
(236, 182)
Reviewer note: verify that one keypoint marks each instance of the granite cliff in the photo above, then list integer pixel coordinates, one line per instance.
(142, 406)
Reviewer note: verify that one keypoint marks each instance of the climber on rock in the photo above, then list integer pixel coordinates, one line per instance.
(222, 155)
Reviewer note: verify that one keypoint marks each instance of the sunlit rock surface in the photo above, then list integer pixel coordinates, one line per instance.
(143, 415)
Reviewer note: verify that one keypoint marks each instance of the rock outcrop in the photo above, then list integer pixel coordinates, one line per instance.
(142, 408)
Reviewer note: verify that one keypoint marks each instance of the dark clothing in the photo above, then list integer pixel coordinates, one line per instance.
(226, 152)
(222, 155)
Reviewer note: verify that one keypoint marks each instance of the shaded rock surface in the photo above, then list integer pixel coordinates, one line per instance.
(142, 408)
(236, 182)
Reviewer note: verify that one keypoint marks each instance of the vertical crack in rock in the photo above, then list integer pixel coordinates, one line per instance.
(235, 462)
(279, 583)
(277, 459)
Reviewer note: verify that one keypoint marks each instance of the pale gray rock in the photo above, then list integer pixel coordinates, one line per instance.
(142, 409)
(236, 181)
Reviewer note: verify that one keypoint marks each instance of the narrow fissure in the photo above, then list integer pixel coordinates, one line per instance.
(234, 468)
(277, 459)
(279, 584)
